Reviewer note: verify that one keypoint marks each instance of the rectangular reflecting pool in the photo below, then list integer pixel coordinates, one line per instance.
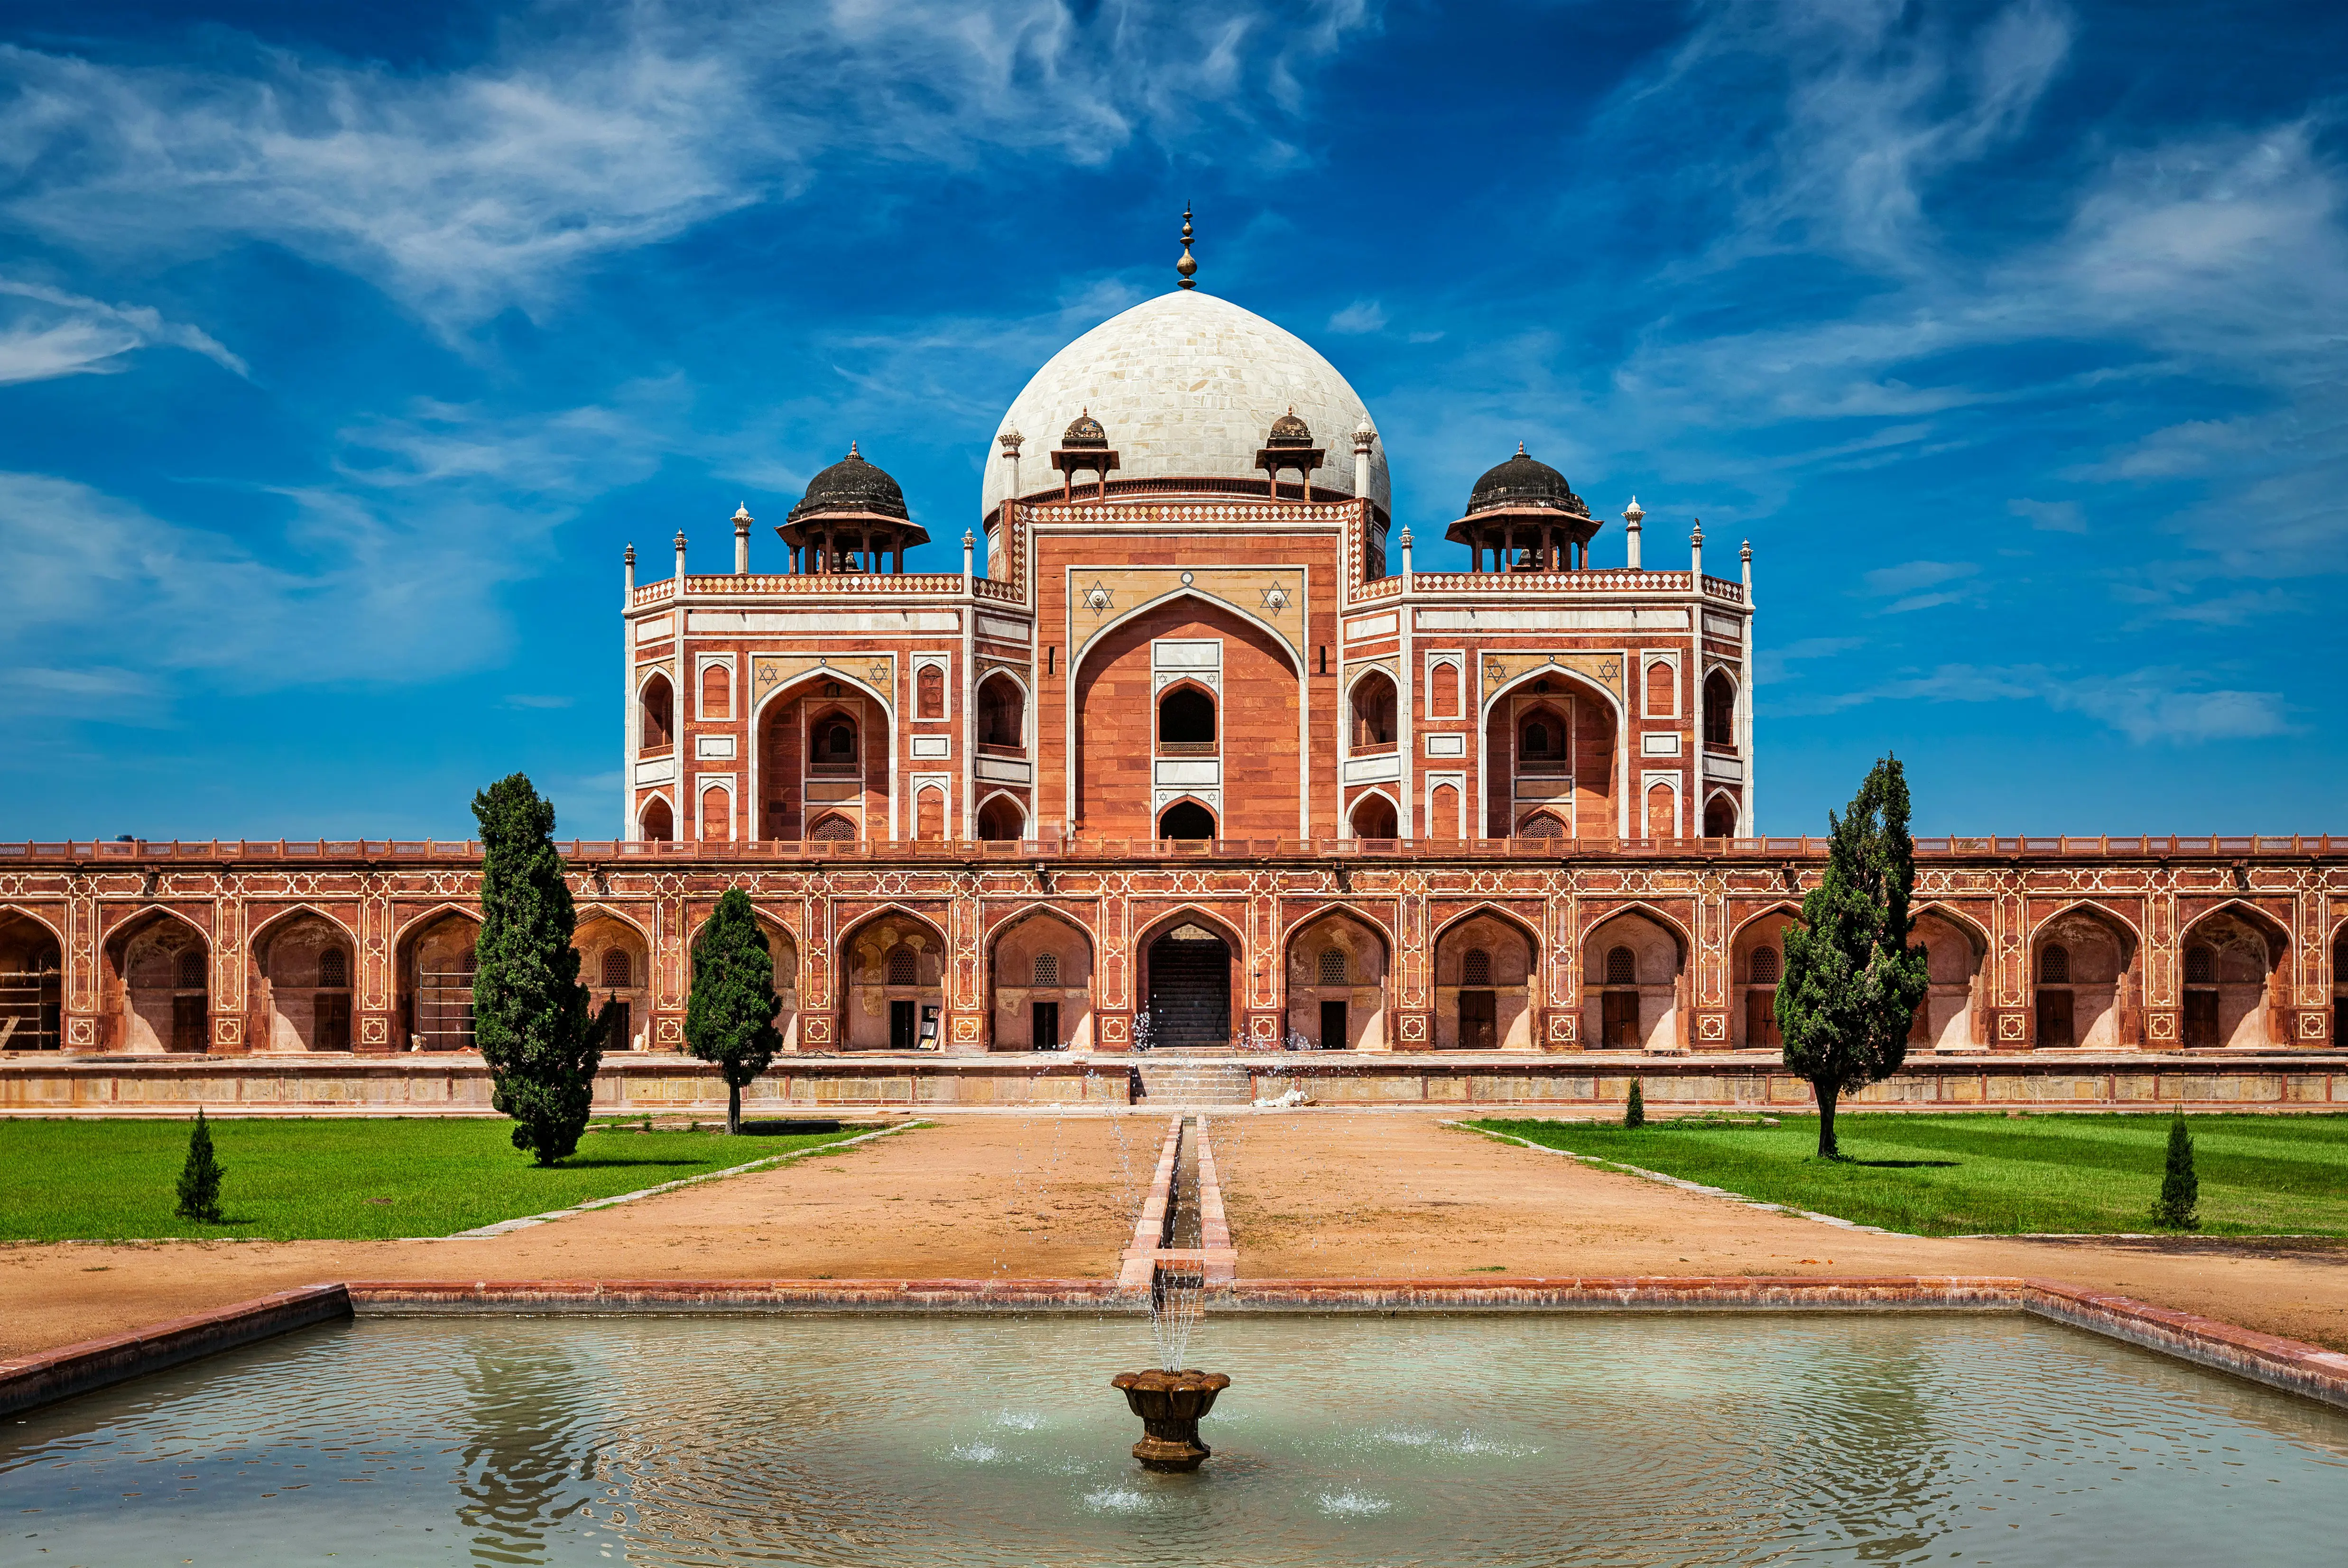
(1566, 1438)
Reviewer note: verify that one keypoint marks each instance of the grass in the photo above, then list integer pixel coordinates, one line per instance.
(1964, 1175)
(339, 1180)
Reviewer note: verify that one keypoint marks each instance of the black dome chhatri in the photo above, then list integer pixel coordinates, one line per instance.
(850, 486)
(1524, 484)
(1084, 431)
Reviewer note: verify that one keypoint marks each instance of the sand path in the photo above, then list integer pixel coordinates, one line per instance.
(1327, 1194)
(1313, 1194)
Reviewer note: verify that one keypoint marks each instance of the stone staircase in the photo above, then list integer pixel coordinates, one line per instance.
(1169, 1081)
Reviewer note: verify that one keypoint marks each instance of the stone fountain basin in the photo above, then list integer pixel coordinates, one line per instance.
(1170, 1404)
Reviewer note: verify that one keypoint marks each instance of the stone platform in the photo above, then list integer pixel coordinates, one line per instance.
(659, 1083)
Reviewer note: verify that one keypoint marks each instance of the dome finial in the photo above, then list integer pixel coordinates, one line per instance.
(1188, 266)
(1520, 449)
(853, 452)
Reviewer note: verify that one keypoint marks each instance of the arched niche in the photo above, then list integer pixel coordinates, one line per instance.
(1374, 817)
(615, 966)
(1372, 705)
(656, 716)
(303, 985)
(1002, 715)
(158, 977)
(1337, 966)
(435, 965)
(1485, 971)
(823, 761)
(1719, 711)
(658, 822)
(1757, 963)
(1633, 975)
(1954, 1014)
(1002, 819)
(892, 984)
(1041, 971)
(1549, 743)
(1186, 820)
(2232, 991)
(2082, 974)
(1720, 816)
(1190, 962)
(32, 979)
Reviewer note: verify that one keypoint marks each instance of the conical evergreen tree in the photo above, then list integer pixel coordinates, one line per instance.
(530, 1012)
(2180, 1189)
(1634, 1112)
(200, 1178)
(729, 1018)
(1851, 981)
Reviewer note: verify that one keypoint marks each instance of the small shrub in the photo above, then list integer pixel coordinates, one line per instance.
(1634, 1113)
(2180, 1190)
(199, 1179)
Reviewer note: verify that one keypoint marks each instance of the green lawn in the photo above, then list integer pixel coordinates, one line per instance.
(345, 1179)
(1958, 1175)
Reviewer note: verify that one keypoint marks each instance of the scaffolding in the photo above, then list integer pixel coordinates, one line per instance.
(30, 1010)
(444, 1009)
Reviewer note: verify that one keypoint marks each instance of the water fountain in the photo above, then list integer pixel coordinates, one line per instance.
(1171, 1397)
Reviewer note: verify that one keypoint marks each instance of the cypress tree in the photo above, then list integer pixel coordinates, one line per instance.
(729, 1018)
(1634, 1113)
(200, 1178)
(2180, 1190)
(530, 1012)
(1851, 981)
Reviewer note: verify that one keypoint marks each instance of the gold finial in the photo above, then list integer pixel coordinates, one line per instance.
(1188, 266)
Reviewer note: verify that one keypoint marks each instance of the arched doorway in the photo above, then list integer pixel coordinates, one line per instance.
(2082, 965)
(303, 970)
(31, 985)
(1756, 962)
(2232, 990)
(161, 979)
(1950, 1017)
(1190, 989)
(1186, 820)
(1041, 972)
(893, 986)
(1484, 969)
(1001, 820)
(615, 966)
(1336, 986)
(435, 968)
(1632, 969)
(1373, 818)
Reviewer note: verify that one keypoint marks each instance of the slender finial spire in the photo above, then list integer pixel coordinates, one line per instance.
(1188, 266)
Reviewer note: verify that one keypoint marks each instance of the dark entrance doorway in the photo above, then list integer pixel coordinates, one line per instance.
(1189, 990)
(1046, 1035)
(902, 1018)
(1618, 1020)
(2055, 1018)
(1479, 1014)
(2200, 1017)
(1333, 1026)
(1186, 820)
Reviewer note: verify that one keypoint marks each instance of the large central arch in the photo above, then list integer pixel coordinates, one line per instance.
(1191, 966)
(1582, 780)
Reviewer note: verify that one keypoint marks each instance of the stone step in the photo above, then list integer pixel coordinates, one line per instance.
(1197, 1083)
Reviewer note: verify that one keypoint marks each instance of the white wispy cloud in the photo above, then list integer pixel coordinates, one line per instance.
(1361, 316)
(2152, 705)
(599, 130)
(47, 332)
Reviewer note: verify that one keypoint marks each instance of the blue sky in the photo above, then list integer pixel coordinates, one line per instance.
(343, 348)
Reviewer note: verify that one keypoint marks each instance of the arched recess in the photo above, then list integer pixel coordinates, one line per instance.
(1661, 814)
(893, 995)
(2234, 991)
(1487, 969)
(32, 984)
(1954, 1014)
(1189, 720)
(433, 963)
(1719, 710)
(1338, 967)
(157, 985)
(1002, 818)
(1634, 982)
(1579, 782)
(1255, 790)
(1720, 816)
(1756, 962)
(929, 812)
(657, 821)
(1187, 818)
(615, 966)
(1192, 966)
(302, 982)
(800, 774)
(2085, 979)
(1002, 714)
(1542, 824)
(655, 715)
(1371, 708)
(785, 950)
(1443, 690)
(1040, 966)
(1375, 816)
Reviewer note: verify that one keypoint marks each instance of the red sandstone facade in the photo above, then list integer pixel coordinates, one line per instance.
(1201, 759)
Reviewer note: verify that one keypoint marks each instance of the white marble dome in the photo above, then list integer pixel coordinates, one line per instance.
(1185, 385)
